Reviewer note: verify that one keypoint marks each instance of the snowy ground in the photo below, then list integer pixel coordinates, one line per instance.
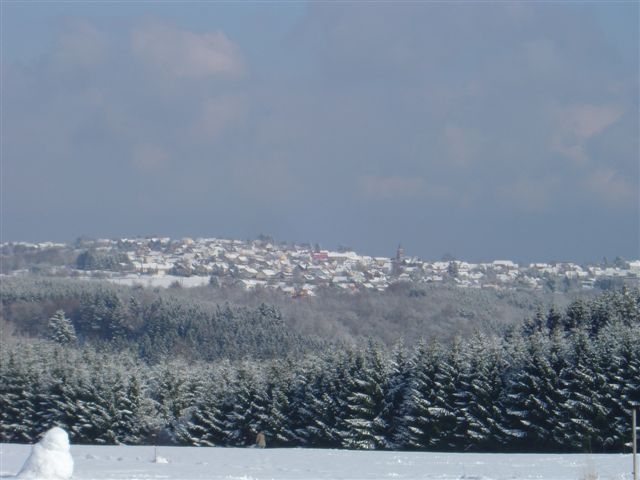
(152, 281)
(136, 463)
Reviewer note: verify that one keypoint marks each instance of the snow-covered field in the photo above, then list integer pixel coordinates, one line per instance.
(182, 463)
(151, 281)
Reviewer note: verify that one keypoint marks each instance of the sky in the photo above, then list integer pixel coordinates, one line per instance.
(481, 130)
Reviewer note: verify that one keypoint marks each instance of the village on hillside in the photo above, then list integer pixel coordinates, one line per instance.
(295, 269)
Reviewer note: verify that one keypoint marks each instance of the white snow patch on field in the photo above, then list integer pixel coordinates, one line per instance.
(187, 463)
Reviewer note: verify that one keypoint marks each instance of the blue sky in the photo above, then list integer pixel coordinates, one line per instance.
(482, 130)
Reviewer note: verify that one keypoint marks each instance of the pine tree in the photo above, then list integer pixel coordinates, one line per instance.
(204, 424)
(485, 393)
(96, 413)
(133, 411)
(419, 424)
(18, 402)
(306, 393)
(245, 409)
(328, 401)
(278, 421)
(617, 351)
(397, 387)
(58, 404)
(624, 382)
(534, 397)
(449, 401)
(365, 425)
(583, 411)
(169, 392)
(577, 315)
(61, 329)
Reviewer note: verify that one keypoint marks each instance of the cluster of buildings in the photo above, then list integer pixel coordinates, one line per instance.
(300, 269)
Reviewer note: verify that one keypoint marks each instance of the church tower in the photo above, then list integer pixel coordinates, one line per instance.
(396, 263)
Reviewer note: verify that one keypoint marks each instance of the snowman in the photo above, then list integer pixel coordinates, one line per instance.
(50, 458)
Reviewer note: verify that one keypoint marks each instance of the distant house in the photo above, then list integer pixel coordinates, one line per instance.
(322, 256)
(508, 264)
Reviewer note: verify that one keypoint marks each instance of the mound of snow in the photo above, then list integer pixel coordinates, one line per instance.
(50, 458)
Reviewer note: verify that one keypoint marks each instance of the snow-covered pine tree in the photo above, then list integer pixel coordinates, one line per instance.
(449, 401)
(313, 410)
(328, 407)
(61, 329)
(531, 407)
(18, 401)
(169, 392)
(277, 423)
(242, 417)
(365, 425)
(485, 392)
(58, 403)
(617, 347)
(583, 411)
(303, 388)
(400, 369)
(92, 420)
(418, 423)
(624, 381)
(134, 411)
(203, 424)
(576, 316)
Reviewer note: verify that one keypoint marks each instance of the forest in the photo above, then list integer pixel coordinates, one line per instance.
(136, 366)
(207, 323)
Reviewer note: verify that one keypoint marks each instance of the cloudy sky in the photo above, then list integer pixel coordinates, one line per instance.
(482, 130)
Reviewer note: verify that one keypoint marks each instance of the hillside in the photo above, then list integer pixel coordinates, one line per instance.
(209, 323)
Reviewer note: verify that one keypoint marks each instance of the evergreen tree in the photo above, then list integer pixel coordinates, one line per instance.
(204, 424)
(449, 401)
(616, 347)
(583, 413)
(306, 392)
(397, 387)
(534, 398)
(58, 403)
(624, 381)
(245, 409)
(577, 315)
(61, 329)
(18, 402)
(419, 428)
(366, 426)
(482, 405)
(133, 411)
(169, 392)
(278, 421)
(329, 400)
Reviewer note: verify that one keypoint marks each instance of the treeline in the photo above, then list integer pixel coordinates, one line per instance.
(564, 380)
(405, 311)
(210, 323)
(153, 324)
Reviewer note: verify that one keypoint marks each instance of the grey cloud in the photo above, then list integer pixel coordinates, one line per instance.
(494, 107)
(79, 45)
(150, 158)
(375, 123)
(612, 188)
(182, 53)
(389, 188)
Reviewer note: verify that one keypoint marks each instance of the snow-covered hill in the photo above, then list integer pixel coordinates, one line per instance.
(185, 463)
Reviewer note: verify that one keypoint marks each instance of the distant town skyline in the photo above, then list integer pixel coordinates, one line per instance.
(483, 130)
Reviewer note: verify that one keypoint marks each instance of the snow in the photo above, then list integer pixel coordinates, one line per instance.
(152, 281)
(50, 458)
(192, 463)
